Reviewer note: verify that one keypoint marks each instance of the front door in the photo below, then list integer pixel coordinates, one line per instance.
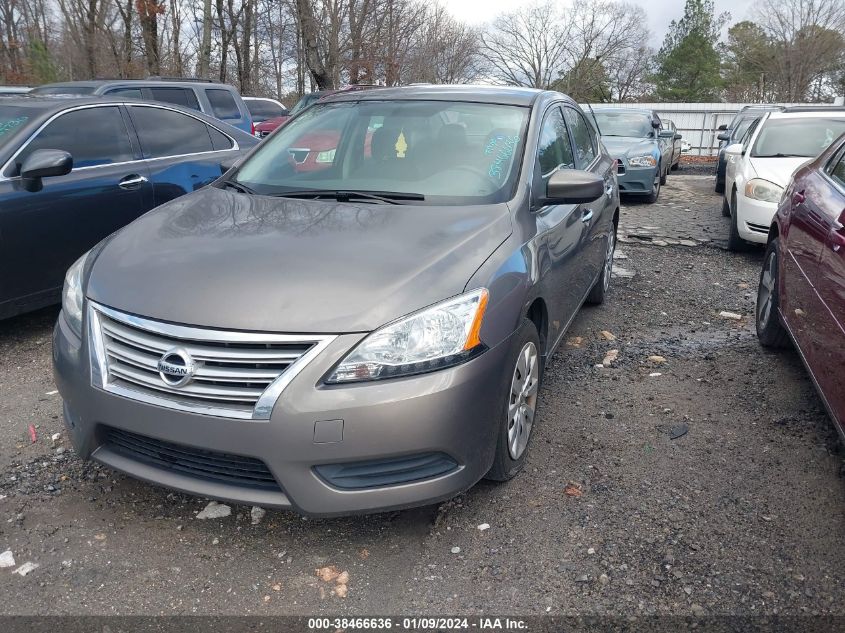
(43, 232)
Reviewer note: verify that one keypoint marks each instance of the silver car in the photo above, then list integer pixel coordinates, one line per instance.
(357, 316)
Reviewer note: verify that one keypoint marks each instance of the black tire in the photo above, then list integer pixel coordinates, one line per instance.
(720, 187)
(504, 466)
(770, 330)
(651, 198)
(602, 285)
(663, 176)
(676, 166)
(735, 242)
(726, 209)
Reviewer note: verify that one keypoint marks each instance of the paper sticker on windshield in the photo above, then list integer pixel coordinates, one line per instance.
(500, 148)
(401, 145)
(12, 124)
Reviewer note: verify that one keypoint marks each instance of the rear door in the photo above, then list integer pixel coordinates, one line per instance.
(182, 152)
(43, 232)
(831, 285)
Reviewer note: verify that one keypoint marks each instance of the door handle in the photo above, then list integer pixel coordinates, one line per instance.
(587, 216)
(133, 181)
(798, 197)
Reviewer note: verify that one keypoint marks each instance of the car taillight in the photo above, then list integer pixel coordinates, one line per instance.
(252, 126)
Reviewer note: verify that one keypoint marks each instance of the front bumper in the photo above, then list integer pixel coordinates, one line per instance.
(754, 218)
(636, 180)
(453, 412)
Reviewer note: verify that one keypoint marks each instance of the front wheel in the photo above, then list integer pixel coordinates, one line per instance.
(770, 330)
(651, 198)
(663, 176)
(735, 242)
(520, 405)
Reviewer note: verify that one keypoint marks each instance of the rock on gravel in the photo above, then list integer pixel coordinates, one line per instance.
(27, 567)
(7, 559)
(215, 510)
(256, 514)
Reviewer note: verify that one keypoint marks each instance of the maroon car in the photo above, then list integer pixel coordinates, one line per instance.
(802, 285)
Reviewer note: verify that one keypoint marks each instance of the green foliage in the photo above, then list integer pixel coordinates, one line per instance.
(688, 63)
(586, 82)
(42, 67)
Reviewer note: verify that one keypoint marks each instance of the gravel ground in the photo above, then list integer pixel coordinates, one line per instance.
(707, 481)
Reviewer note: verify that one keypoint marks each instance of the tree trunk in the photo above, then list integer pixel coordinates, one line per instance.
(205, 44)
(310, 34)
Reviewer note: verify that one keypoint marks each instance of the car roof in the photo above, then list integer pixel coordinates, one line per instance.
(96, 83)
(505, 95)
(813, 108)
(809, 112)
(647, 111)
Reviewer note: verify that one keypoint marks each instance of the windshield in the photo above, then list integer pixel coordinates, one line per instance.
(444, 152)
(799, 136)
(63, 90)
(633, 124)
(11, 119)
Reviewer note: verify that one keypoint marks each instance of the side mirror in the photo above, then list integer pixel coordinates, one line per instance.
(724, 136)
(573, 186)
(678, 137)
(735, 148)
(43, 163)
(228, 163)
(666, 134)
(722, 127)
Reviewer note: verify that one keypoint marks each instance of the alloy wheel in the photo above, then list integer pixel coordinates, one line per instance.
(766, 293)
(523, 399)
(608, 259)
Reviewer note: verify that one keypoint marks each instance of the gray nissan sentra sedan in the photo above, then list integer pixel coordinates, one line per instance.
(357, 316)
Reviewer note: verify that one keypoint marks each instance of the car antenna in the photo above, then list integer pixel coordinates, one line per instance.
(598, 128)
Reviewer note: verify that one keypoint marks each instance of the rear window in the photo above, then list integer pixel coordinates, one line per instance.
(178, 96)
(63, 90)
(263, 109)
(223, 103)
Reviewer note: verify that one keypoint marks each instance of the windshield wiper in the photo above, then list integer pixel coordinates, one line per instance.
(779, 155)
(239, 187)
(345, 195)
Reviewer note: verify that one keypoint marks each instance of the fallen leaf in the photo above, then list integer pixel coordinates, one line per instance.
(657, 359)
(610, 357)
(328, 574)
(575, 341)
(573, 489)
(343, 578)
(364, 554)
(266, 598)
(608, 336)
(277, 587)
(100, 536)
(341, 591)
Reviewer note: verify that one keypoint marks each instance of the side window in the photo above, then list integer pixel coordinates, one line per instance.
(582, 133)
(177, 96)
(132, 93)
(554, 149)
(837, 169)
(222, 103)
(745, 139)
(105, 139)
(219, 140)
(164, 132)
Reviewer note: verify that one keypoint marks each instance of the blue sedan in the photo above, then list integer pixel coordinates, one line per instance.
(73, 171)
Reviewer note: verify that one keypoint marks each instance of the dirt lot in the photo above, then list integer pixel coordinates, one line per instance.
(743, 512)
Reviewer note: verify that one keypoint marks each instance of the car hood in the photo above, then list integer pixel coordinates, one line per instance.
(777, 170)
(619, 146)
(221, 259)
(271, 124)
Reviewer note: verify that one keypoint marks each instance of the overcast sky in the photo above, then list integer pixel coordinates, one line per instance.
(659, 12)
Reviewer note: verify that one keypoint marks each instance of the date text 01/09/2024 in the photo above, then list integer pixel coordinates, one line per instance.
(419, 623)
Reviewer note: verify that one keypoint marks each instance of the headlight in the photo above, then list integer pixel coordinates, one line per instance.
(72, 295)
(642, 161)
(763, 190)
(326, 156)
(443, 335)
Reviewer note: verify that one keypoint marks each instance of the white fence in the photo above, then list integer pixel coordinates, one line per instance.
(698, 123)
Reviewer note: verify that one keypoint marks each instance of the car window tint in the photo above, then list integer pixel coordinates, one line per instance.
(582, 133)
(554, 149)
(169, 133)
(263, 109)
(838, 171)
(220, 140)
(223, 103)
(179, 96)
(132, 93)
(105, 139)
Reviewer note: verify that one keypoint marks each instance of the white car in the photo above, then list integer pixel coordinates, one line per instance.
(760, 165)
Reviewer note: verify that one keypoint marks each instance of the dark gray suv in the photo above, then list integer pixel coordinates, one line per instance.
(357, 316)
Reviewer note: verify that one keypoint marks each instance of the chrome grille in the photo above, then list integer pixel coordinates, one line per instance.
(234, 374)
